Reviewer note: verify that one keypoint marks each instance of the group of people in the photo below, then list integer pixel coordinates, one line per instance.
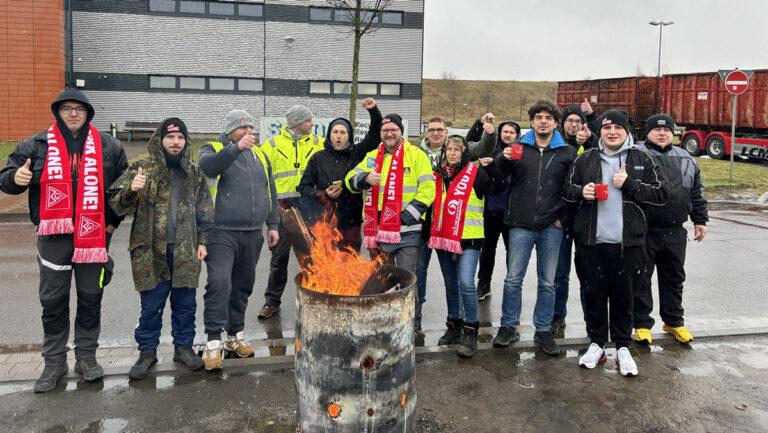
(623, 206)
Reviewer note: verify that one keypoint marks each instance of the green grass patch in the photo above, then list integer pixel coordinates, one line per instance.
(6, 147)
(750, 179)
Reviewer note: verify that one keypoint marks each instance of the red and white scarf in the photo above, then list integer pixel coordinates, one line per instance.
(56, 204)
(448, 224)
(388, 229)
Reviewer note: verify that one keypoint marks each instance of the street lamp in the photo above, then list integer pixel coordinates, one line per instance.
(661, 24)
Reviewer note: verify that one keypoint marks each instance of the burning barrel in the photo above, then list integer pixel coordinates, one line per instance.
(355, 358)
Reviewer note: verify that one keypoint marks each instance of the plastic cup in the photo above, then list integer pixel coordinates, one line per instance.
(601, 191)
(517, 151)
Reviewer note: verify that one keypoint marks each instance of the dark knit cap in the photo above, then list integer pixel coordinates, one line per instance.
(573, 109)
(614, 116)
(393, 118)
(172, 124)
(659, 121)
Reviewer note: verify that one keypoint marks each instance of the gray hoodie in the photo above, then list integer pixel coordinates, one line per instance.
(610, 221)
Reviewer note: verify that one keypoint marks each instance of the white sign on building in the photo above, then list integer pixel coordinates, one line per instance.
(270, 126)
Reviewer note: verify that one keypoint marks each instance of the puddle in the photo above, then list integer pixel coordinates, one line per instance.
(115, 382)
(571, 353)
(109, 425)
(755, 360)
(13, 388)
(164, 382)
(701, 370)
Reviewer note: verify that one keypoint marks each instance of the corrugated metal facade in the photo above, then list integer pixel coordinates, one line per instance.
(137, 43)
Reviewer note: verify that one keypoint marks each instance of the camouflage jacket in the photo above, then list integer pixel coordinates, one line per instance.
(149, 207)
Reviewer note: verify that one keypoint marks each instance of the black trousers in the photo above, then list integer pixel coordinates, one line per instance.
(54, 255)
(609, 274)
(493, 228)
(278, 268)
(665, 250)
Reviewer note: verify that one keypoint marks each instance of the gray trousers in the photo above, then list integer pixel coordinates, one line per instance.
(54, 255)
(231, 263)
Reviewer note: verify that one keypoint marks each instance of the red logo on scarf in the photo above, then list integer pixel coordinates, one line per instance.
(448, 223)
(388, 230)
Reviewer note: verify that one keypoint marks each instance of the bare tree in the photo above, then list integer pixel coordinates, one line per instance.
(362, 14)
(487, 95)
(452, 86)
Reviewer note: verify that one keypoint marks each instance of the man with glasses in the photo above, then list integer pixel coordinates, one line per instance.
(534, 215)
(67, 169)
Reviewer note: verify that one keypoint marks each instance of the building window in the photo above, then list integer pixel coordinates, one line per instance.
(342, 88)
(192, 83)
(343, 15)
(245, 10)
(192, 7)
(320, 14)
(215, 8)
(162, 5)
(320, 87)
(221, 83)
(392, 18)
(390, 90)
(250, 85)
(158, 82)
(366, 88)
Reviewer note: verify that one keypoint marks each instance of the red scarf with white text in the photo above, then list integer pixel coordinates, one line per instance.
(388, 229)
(448, 219)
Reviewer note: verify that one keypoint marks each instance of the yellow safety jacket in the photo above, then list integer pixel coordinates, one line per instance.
(213, 183)
(289, 159)
(418, 180)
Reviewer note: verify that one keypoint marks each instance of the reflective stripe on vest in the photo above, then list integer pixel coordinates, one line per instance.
(213, 183)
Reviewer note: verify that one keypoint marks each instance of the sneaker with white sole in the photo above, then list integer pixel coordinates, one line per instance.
(627, 366)
(238, 345)
(212, 355)
(593, 356)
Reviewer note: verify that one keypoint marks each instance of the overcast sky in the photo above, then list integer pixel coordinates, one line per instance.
(559, 40)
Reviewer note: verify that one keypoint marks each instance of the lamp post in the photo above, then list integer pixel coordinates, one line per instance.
(661, 24)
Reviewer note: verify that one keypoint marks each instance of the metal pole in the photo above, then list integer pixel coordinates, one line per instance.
(658, 68)
(733, 133)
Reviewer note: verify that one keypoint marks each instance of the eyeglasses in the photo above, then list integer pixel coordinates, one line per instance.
(577, 121)
(68, 109)
(433, 130)
(390, 131)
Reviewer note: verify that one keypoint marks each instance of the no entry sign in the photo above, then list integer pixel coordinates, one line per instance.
(736, 81)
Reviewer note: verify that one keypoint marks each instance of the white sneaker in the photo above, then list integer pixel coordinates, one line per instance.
(593, 356)
(627, 366)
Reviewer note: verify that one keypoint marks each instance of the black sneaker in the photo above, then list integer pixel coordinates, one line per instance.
(468, 342)
(483, 291)
(452, 334)
(185, 355)
(506, 336)
(147, 358)
(547, 343)
(50, 377)
(89, 368)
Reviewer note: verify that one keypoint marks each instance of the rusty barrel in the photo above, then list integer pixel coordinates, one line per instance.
(355, 358)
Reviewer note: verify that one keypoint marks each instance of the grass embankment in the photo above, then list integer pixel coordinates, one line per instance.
(750, 179)
(6, 147)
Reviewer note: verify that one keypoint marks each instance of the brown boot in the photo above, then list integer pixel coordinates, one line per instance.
(238, 346)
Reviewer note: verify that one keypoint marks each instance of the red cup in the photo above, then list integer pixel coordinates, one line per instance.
(517, 151)
(601, 191)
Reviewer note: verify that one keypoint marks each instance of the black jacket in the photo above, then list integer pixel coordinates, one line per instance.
(331, 165)
(686, 193)
(643, 188)
(35, 148)
(536, 181)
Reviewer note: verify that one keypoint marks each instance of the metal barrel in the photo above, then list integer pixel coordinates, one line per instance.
(355, 359)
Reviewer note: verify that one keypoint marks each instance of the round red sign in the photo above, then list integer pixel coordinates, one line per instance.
(736, 82)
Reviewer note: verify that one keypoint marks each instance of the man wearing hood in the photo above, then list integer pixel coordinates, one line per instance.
(534, 215)
(242, 185)
(609, 232)
(289, 152)
(577, 134)
(667, 238)
(493, 215)
(68, 170)
(321, 184)
(172, 213)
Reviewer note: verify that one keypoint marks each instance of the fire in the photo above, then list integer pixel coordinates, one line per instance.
(332, 270)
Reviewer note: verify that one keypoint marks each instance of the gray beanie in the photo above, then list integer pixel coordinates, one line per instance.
(237, 119)
(296, 115)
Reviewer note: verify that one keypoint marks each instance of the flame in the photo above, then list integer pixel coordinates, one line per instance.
(332, 270)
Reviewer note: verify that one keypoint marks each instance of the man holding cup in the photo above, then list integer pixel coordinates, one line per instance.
(611, 183)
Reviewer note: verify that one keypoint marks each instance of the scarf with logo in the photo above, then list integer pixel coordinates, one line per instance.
(450, 211)
(388, 229)
(56, 201)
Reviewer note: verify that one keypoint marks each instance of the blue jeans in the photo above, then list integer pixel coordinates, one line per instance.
(459, 276)
(425, 255)
(183, 307)
(521, 243)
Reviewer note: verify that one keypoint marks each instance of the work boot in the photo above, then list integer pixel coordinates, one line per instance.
(185, 355)
(212, 355)
(89, 368)
(452, 334)
(681, 333)
(643, 336)
(483, 291)
(147, 358)
(50, 377)
(268, 311)
(469, 340)
(417, 319)
(506, 336)
(558, 325)
(547, 343)
(238, 345)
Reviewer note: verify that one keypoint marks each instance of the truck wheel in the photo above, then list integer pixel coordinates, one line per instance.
(716, 148)
(691, 145)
